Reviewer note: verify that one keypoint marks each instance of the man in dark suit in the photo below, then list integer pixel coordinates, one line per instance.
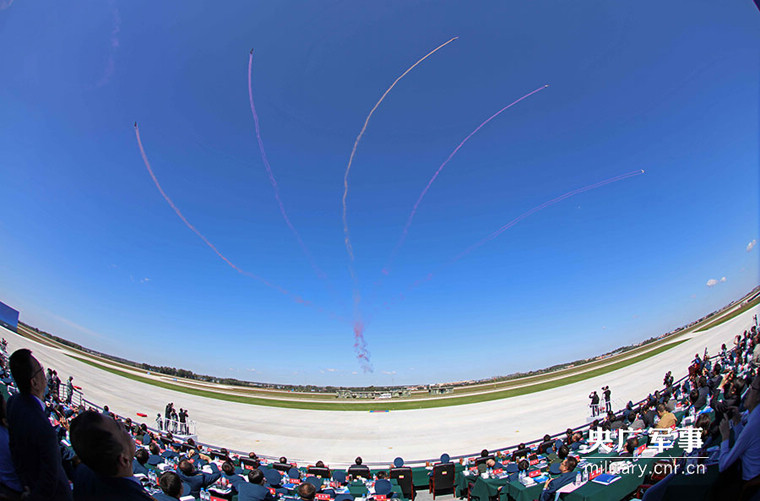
(171, 487)
(567, 476)
(138, 463)
(106, 450)
(154, 458)
(253, 490)
(607, 399)
(197, 479)
(594, 404)
(33, 442)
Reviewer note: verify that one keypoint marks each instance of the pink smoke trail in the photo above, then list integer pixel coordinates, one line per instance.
(273, 181)
(543, 206)
(360, 347)
(362, 353)
(405, 232)
(232, 265)
(513, 222)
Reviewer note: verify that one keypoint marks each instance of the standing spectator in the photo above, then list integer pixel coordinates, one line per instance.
(174, 419)
(56, 385)
(594, 404)
(33, 442)
(607, 398)
(159, 422)
(69, 389)
(168, 414)
(182, 425)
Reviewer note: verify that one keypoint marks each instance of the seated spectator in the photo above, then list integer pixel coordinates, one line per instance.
(746, 445)
(382, 484)
(10, 485)
(106, 451)
(522, 466)
(521, 452)
(562, 452)
(171, 487)
(567, 476)
(358, 469)
(197, 480)
(154, 459)
(253, 490)
(138, 463)
(306, 492)
(576, 440)
(667, 419)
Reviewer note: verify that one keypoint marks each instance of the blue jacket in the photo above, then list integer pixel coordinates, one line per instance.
(160, 496)
(199, 479)
(89, 486)
(253, 492)
(556, 484)
(35, 450)
(138, 468)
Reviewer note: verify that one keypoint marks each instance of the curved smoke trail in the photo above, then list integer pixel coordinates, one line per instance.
(513, 222)
(294, 297)
(405, 231)
(272, 180)
(360, 345)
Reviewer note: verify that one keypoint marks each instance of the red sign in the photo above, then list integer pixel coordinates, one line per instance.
(272, 491)
(534, 473)
(247, 466)
(295, 481)
(595, 472)
(322, 497)
(533, 461)
(217, 498)
(380, 497)
(498, 471)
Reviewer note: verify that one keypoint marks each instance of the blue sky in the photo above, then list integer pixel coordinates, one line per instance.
(92, 252)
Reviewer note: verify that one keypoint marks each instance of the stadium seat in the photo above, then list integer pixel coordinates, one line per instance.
(442, 478)
(318, 472)
(404, 478)
(359, 471)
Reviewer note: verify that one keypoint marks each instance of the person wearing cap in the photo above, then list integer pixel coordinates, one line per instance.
(383, 486)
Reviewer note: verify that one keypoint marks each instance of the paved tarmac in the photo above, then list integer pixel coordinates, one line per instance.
(336, 437)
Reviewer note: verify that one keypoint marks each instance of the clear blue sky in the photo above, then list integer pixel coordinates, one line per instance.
(90, 250)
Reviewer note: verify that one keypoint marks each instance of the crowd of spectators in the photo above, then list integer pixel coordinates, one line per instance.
(51, 449)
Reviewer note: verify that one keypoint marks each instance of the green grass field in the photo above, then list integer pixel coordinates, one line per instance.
(385, 405)
(731, 315)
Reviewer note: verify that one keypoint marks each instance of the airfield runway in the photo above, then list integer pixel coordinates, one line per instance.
(336, 437)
